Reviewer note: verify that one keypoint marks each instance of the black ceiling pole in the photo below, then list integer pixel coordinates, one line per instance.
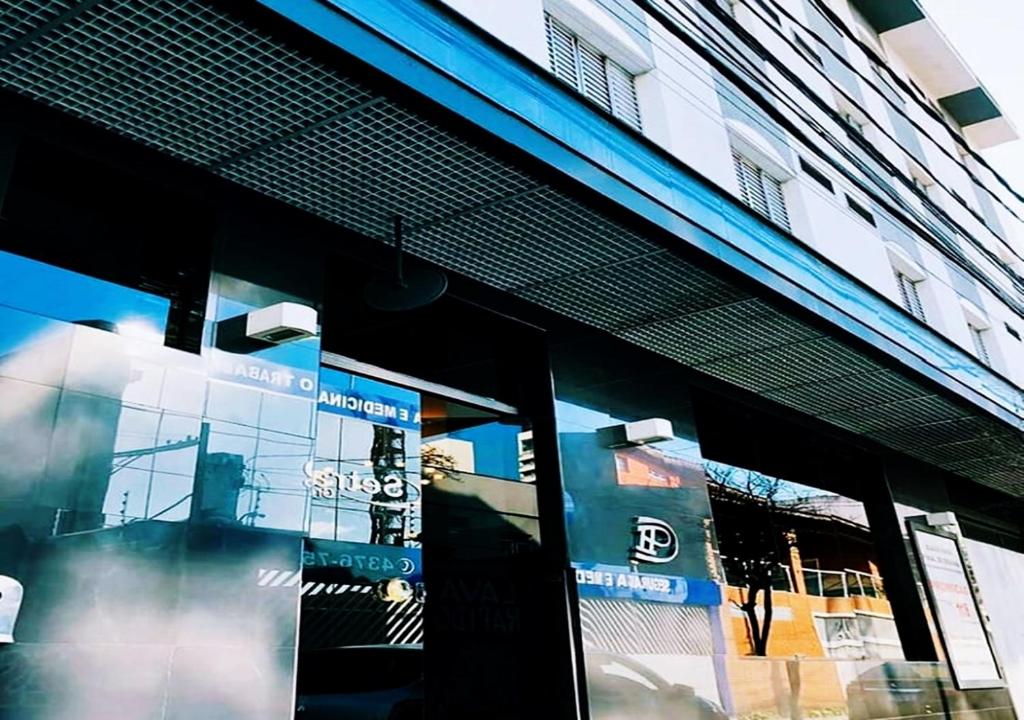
(399, 269)
(410, 287)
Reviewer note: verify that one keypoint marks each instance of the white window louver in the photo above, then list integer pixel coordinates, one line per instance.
(761, 191)
(909, 296)
(622, 89)
(592, 74)
(980, 348)
(562, 52)
(594, 78)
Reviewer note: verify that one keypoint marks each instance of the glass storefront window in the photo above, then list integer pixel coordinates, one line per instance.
(641, 538)
(47, 291)
(798, 562)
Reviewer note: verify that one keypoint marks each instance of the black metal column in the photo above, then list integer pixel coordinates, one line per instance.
(539, 392)
(896, 565)
(9, 138)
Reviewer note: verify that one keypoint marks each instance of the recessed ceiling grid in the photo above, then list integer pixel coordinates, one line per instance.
(925, 409)
(732, 329)
(958, 453)
(854, 391)
(201, 85)
(637, 292)
(527, 239)
(179, 76)
(20, 18)
(1008, 476)
(377, 162)
(810, 361)
(926, 437)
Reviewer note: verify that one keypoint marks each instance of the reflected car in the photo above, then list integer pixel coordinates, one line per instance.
(905, 689)
(385, 682)
(894, 689)
(621, 688)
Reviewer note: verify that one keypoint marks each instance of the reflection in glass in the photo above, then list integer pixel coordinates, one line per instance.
(800, 569)
(30, 285)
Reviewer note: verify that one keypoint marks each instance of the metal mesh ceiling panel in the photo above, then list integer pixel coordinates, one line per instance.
(874, 388)
(926, 409)
(958, 453)
(529, 238)
(20, 18)
(733, 329)
(206, 87)
(637, 292)
(376, 161)
(811, 361)
(179, 76)
(926, 437)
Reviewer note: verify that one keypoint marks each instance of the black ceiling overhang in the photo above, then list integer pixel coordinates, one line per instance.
(238, 96)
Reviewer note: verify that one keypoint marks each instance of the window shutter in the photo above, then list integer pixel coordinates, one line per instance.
(761, 191)
(591, 73)
(562, 52)
(776, 200)
(909, 295)
(622, 89)
(980, 349)
(751, 188)
(594, 78)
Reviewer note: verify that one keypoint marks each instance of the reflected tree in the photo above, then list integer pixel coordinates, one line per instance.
(754, 548)
(388, 517)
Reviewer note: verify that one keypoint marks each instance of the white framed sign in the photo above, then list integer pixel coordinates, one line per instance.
(954, 605)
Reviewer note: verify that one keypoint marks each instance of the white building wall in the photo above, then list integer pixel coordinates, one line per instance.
(682, 111)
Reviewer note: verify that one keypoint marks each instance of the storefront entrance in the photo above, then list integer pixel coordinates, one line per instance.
(413, 486)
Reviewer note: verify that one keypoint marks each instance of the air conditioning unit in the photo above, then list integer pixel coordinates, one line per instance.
(281, 323)
(641, 432)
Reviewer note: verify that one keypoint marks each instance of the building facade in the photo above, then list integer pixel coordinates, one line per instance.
(554, 358)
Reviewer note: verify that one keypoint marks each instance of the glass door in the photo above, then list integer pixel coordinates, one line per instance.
(412, 486)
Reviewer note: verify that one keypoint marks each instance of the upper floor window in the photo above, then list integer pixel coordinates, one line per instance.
(760, 190)
(593, 74)
(909, 295)
(980, 348)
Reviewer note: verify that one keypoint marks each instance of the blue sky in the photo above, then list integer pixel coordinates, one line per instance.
(988, 34)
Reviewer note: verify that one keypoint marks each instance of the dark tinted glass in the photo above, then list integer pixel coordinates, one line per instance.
(358, 670)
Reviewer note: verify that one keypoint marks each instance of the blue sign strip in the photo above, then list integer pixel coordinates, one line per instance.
(366, 399)
(623, 583)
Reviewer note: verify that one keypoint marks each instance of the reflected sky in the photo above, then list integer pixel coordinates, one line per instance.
(574, 418)
(60, 294)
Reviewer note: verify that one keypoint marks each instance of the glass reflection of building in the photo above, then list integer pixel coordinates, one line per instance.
(420, 512)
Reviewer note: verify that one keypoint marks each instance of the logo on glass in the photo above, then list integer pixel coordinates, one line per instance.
(654, 541)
